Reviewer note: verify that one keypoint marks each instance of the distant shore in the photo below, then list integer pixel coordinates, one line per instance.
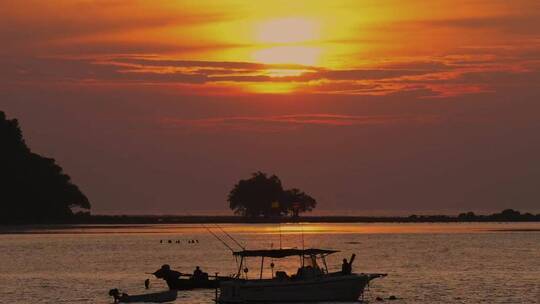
(127, 219)
(151, 219)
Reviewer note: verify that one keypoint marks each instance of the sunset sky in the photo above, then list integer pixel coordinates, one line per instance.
(372, 107)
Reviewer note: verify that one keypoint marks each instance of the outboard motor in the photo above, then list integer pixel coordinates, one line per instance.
(170, 276)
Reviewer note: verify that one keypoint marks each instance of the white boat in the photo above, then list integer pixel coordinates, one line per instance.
(157, 297)
(311, 283)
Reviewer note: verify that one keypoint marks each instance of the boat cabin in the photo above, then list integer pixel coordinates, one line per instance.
(312, 262)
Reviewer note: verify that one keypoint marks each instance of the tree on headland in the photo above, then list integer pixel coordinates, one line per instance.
(263, 195)
(33, 188)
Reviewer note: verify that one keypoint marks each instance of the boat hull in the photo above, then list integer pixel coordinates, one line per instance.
(188, 284)
(329, 288)
(159, 297)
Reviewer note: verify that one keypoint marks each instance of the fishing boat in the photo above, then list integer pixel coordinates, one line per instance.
(157, 297)
(311, 283)
(180, 281)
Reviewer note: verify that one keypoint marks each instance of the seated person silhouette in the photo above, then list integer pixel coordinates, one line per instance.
(198, 274)
(281, 275)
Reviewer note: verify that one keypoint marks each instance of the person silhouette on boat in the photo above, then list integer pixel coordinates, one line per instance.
(147, 283)
(346, 267)
(117, 295)
(198, 274)
(167, 274)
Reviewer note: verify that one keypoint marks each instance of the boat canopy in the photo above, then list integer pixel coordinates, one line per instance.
(282, 253)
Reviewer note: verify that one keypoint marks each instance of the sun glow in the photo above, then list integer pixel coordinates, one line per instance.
(287, 30)
(285, 72)
(287, 40)
(271, 87)
(294, 40)
(304, 55)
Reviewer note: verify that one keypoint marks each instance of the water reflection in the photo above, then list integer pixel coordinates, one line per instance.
(285, 228)
(426, 263)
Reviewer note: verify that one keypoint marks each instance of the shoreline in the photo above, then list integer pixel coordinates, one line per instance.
(171, 219)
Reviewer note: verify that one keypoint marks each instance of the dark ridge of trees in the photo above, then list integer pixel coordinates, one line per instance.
(33, 188)
(507, 215)
(86, 218)
(263, 195)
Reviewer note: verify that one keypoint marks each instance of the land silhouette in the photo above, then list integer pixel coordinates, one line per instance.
(34, 188)
(508, 215)
(263, 195)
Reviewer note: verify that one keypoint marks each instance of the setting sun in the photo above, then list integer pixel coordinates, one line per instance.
(288, 54)
(287, 30)
(287, 40)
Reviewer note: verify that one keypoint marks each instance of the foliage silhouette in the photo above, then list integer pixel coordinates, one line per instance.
(33, 188)
(295, 201)
(263, 195)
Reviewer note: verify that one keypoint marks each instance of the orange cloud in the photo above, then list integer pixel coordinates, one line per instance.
(361, 50)
(291, 122)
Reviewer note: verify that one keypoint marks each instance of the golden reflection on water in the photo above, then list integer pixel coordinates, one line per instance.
(274, 229)
(426, 263)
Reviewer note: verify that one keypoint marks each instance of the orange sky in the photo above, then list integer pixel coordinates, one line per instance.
(342, 47)
(355, 69)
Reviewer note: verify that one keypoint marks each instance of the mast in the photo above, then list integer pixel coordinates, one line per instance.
(262, 266)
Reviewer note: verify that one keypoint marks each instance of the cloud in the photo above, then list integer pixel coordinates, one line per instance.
(157, 61)
(292, 122)
(35, 27)
(514, 24)
(454, 74)
(53, 70)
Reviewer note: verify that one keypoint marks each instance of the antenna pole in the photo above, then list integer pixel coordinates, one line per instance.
(302, 230)
(280, 235)
(303, 247)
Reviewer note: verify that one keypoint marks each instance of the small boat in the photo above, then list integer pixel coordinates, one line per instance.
(157, 297)
(311, 283)
(180, 281)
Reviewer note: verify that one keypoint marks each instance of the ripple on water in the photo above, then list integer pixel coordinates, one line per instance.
(436, 263)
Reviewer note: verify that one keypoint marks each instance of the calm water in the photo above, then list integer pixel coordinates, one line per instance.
(426, 263)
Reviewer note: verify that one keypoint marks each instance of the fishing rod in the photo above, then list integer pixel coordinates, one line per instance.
(220, 239)
(227, 234)
(224, 232)
(217, 237)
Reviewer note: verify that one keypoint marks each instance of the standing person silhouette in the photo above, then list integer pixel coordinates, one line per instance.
(147, 283)
(346, 267)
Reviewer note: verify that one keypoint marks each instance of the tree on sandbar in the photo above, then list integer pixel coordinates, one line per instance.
(263, 195)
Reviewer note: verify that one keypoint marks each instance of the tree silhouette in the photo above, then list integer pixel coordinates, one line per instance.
(256, 195)
(507, 215)
(295, 201)
(33, 188)
(263, 195)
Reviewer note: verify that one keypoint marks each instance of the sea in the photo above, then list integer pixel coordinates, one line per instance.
(424, 262)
